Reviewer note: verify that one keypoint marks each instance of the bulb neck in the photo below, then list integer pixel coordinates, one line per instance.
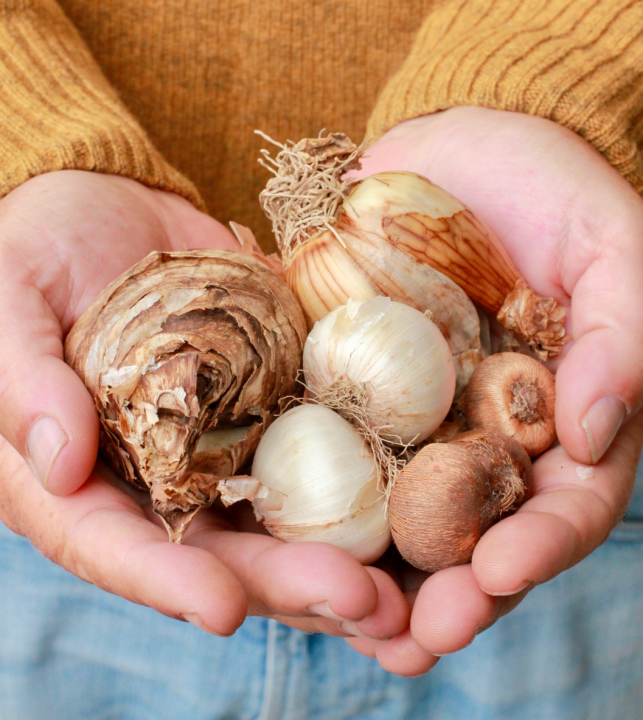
(539, 320)
(308, 189)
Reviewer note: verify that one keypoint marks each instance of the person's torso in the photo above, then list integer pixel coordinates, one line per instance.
(202, 75)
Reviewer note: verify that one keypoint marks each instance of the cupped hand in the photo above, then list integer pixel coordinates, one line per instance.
(574, 228)
(63, 237)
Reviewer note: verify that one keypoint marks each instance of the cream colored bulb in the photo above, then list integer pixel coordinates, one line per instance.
(391, 352)
(321, 483)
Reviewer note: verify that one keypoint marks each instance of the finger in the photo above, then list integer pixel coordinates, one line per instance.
(392, 613)
(45, 411)
(363, 646)
(572, 512)
(101, 535)
(387, 621)
(600, 381)
(401, 655)
(451, 609)
(307, 579)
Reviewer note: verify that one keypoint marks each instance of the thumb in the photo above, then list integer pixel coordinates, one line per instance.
(46, 412)
(600, 380)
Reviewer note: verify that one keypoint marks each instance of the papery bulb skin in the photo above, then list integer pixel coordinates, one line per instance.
(429, 224)
(328, 256)
(422, 225)
(418, 285)
(391, 353)
(435, 228)
(450, 494)
(323, 276)
(183, 344)
(323, 482)
(513, 394)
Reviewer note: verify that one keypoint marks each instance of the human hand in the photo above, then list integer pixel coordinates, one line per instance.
(572, 226)
(63, 237)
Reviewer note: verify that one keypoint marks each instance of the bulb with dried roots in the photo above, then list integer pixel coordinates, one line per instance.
(385, 363)
(396, 234)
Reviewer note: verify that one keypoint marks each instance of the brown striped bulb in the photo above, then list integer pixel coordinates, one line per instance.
(396, 234)
(450, 494)
(513, 394)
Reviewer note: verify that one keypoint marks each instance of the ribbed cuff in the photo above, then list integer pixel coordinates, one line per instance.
(58, 112)
(578, 63)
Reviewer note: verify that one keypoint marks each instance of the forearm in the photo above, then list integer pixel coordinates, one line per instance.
(57, 110)
(579, 64)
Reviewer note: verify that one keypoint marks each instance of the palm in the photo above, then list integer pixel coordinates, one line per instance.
(533, 182)
(78, 231)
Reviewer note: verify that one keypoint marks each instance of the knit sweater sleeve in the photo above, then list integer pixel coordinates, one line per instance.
(576, 62)
(57, 110)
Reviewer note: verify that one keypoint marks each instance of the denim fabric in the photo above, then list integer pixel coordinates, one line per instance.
(572, 650)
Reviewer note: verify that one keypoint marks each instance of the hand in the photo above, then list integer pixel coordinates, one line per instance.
(573, 227)
(63, 237)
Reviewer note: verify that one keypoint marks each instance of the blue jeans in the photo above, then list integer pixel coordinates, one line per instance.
(68, 651)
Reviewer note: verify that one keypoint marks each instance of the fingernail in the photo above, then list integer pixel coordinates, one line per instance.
(323, 609)
(601, 423)
(45, 441)
(349, 627)
(195, 620)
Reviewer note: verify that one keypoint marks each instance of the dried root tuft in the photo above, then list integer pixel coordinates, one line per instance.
(350, 400)
(307, 190)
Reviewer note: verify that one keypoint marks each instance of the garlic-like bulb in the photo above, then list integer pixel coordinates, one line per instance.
(399, 235)
(183, 345)
(320, 482)
(392, 355)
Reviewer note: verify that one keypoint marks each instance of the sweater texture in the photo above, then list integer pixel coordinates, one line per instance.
(169, 92)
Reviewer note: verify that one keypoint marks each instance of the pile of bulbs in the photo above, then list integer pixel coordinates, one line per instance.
(386, 269)
(345, 467)
(409, 429)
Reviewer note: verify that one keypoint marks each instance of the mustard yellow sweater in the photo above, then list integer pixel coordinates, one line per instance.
(168, 92)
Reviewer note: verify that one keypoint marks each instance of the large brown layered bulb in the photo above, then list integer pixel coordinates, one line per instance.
(450, 494)
(514, 395)
(187, 356)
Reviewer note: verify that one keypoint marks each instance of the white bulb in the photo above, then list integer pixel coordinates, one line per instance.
(395, 353)
(326, 482)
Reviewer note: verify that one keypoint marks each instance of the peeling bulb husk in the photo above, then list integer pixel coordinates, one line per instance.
(187, 356)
